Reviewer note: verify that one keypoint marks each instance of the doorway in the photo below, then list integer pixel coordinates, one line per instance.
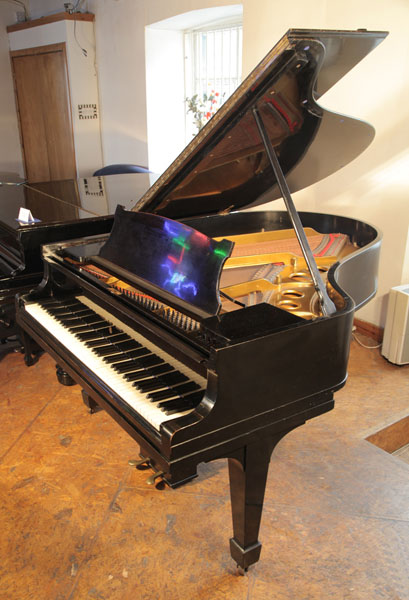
(44, 109)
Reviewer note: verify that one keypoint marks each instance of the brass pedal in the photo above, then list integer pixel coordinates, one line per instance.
(133, 462)
(151, 480)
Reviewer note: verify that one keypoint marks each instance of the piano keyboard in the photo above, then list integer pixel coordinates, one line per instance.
(153, 383)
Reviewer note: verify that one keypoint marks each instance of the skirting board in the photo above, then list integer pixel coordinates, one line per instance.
(373, 331)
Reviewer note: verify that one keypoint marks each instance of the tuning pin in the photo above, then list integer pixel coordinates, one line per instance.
(133, 462)
(151, 480)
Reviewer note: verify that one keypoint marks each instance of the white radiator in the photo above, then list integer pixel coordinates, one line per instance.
(395, 346)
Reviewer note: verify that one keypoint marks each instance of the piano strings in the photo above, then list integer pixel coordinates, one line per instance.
(264, 267)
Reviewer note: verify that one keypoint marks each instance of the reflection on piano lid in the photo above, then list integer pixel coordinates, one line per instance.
(169, 256)
(62, 210)
(208, 335)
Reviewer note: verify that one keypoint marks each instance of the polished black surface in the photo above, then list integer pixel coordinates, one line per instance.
(169, 255)
(225, 167)
(71, 200)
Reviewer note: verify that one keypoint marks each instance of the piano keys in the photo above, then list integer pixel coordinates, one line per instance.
(149, 381)
(206, 332)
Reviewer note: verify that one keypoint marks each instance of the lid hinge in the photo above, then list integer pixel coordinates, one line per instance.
(226, 211)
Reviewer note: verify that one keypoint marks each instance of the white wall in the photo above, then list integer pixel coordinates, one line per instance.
(120, 38)
(165, 97)
(11, 160)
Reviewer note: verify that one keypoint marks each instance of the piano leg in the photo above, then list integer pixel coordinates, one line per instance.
(31, 349)
(248, 469)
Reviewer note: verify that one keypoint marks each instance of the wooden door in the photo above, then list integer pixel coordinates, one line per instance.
(42, 92)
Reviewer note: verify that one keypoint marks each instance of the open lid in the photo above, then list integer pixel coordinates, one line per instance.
(225, 167)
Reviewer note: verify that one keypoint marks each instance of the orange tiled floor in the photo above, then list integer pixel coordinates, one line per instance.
(78, 523)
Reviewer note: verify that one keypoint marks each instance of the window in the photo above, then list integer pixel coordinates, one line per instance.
(187, 54)
(212, 71)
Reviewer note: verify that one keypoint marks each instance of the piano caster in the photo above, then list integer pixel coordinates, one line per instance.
(242, 571)
(63, 376)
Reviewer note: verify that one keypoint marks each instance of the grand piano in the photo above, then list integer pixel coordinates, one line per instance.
(208, 332)
(61, 210)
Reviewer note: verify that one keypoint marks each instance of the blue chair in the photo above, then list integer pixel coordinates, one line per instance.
(120, 169)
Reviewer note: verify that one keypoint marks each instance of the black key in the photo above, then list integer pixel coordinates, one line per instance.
(142, 374)
(96, 322)
(49, 302)
(139, 352)
(173, 406)
(125, 366)
(101, 337)
(93, 319)
(83, 311)
(147, 361)
(95, 340)
(113, 358)
(162, 381)
(109, 351)
(72, 310)
(108, 356)
(176, 405)
(84, 329)
(52, 302)
(184, 388)
(194, 398)
(177, 390)
(103, 331)
(59, 312)
(65, 307)
(129, 344)
(184, 403)
(107, 334)
(78, 326)
(162, 395)
(71, 321)
(117, 337)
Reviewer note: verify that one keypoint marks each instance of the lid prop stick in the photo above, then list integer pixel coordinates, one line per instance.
(327, 306)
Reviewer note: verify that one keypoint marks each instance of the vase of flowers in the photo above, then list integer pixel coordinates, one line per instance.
(203, 107)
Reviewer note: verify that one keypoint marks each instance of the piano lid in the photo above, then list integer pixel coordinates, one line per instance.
(225, 167)
(71, 200)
